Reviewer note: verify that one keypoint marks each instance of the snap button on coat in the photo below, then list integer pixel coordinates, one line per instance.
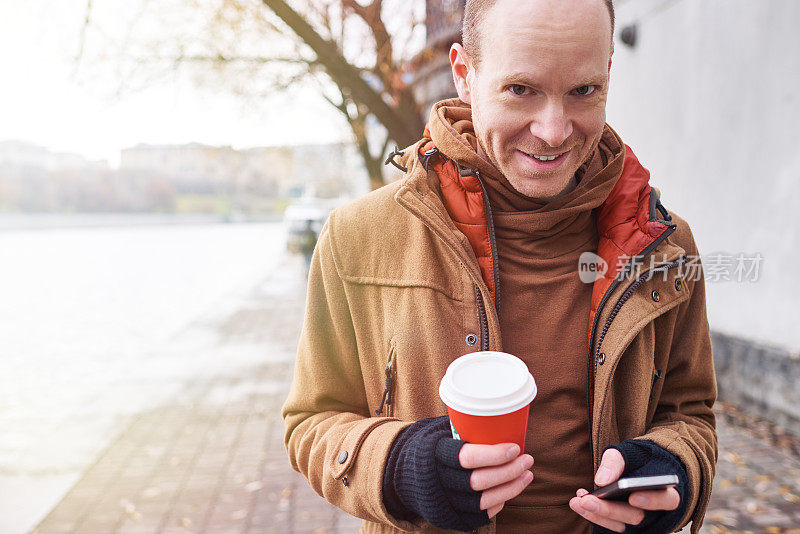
(602, 358)
(472, 339)
(342, 457)
(678, 284)
(656, 296)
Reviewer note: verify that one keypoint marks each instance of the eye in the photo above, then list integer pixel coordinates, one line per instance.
(518, 89)
(585, 90)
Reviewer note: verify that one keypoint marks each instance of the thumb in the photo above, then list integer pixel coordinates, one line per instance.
(611, 467)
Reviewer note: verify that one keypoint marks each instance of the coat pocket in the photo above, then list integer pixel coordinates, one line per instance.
(390, 371)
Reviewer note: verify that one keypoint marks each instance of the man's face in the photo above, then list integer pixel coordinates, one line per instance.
(540, 89)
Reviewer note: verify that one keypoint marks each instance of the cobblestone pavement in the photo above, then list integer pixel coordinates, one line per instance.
(757, 485)
(213, 461)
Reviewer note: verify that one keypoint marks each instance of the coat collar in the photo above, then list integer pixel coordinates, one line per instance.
(632, 224)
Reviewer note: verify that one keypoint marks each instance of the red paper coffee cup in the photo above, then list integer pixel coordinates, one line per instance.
(488, 395)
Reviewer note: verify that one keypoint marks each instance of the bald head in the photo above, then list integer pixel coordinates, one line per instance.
(476, 12)
(539, 89)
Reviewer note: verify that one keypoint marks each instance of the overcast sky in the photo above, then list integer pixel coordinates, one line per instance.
(42, 101)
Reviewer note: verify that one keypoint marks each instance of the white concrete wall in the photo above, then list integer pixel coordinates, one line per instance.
(709, 100)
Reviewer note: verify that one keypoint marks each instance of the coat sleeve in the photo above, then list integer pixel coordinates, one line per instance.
(684, 422)
(330, 436)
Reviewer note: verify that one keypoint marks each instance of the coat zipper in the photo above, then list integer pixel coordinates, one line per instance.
(621, 276)
(647, 275)
(493, 246)
(492, 243)
(464, 171)
(483, 319)
(495, 267)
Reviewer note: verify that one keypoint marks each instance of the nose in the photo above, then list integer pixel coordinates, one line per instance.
(552, 124)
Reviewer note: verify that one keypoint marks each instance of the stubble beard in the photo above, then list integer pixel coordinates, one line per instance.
(532, 178)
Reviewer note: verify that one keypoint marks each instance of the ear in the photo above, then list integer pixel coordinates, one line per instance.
(459, 63)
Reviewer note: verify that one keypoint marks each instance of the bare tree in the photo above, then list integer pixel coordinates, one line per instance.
(357, 54)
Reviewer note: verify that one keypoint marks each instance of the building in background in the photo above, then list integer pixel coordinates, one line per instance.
(433, 80)
(190, 178)
(279, 171)
(27, 155)
(706, 94)
(35, 179)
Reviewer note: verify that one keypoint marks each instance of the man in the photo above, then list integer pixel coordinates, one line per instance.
(478, 247)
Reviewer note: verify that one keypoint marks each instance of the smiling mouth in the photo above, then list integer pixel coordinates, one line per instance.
(546, 161)
(543, 157)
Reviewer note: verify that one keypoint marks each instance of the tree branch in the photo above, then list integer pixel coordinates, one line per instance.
(220, 58)
(403, 128)
(86, 21)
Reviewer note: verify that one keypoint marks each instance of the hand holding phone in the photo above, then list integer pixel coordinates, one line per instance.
(616, 515)
(623, 487)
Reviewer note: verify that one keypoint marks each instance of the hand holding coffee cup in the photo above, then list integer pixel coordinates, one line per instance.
(488, 396)
(499, 472)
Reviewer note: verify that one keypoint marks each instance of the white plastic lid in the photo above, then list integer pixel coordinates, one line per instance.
(487, 383)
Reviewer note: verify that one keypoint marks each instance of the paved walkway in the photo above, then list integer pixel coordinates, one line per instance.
(757, 486)
(213, 461)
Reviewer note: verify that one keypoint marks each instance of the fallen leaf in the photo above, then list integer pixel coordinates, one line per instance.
(753, 508)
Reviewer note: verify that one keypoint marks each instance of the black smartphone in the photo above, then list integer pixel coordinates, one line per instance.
(619, 490)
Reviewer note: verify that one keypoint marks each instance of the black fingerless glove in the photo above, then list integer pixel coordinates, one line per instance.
(423, 478)
(645, 458)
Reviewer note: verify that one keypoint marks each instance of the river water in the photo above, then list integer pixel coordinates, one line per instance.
(90, 320)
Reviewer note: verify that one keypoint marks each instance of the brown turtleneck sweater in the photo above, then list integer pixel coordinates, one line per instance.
(544, 319)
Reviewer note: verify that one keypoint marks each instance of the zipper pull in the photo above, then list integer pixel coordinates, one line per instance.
(387, 395)
(657, 374)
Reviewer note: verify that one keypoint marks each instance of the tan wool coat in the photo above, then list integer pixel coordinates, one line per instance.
(395, 294)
